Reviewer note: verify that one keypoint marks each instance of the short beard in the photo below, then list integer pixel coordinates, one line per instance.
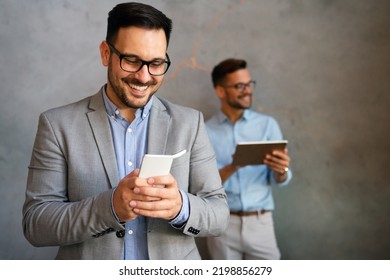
(120, 93)
(123, 98)
(238, 105)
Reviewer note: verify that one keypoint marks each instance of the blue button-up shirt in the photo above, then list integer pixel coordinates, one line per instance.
(130, 146)
(250, 187)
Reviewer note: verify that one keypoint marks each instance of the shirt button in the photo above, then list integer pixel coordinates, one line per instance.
(130, 163)
(130, 232)
(116, 112)
(129, 130)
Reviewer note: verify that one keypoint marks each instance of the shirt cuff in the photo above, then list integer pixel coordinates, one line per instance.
(112, 208)
(180, 220)
(285, 182)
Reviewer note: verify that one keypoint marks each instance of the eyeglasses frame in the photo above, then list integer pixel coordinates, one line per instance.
(143, 62)
(238, 85)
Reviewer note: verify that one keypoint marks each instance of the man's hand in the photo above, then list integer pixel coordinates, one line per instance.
(163, 198)
(157, 197)
(279, 162)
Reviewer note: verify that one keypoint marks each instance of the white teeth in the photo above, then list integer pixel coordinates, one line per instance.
(140, 88)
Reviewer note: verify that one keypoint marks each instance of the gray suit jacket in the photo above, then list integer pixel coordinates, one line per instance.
(73, 172)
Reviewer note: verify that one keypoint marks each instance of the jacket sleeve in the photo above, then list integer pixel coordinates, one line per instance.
(209, 212)
(50, 217)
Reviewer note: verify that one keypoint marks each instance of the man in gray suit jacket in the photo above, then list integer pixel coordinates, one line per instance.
(83, 191)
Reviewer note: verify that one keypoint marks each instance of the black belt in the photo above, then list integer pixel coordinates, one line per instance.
(248, 213)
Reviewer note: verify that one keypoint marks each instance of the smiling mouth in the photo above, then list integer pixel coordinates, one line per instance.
(139, 88)
(245, 96)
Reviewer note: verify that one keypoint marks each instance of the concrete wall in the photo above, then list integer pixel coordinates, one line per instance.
(322, 69)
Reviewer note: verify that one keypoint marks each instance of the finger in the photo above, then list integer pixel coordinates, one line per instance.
(275, 167)
(280, 154)
(166, 209)
(162, 187)
(161, 214)
(132, 174)
(151, 192)
(276, 164)
(166, 199)
(162, 180)
(121, 206)
(275, 159)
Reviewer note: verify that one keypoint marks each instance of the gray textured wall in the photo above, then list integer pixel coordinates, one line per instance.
(322, 69)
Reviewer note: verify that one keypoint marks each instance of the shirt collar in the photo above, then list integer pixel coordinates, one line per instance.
(223, 118)
(246, 114)
(113, 111)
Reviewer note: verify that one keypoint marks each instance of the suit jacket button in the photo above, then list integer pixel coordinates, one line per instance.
(120, 233)
(194, 231)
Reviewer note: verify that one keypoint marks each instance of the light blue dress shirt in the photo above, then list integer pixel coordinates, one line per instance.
(130, 146)
(250, 187)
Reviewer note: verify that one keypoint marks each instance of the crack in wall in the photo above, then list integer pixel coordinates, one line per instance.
(191, 62)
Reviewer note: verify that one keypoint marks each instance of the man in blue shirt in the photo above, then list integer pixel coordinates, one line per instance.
(250, 234)
(83, 190)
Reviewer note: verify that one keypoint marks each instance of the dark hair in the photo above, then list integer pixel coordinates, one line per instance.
(225, 67)
(138, 15)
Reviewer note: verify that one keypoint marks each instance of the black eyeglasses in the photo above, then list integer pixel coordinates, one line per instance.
(242, 86)
(132, 63)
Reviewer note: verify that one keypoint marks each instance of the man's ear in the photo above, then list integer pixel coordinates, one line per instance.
(104, 53)
(220, 91)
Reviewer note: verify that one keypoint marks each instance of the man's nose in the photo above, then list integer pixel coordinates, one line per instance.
(143, 74)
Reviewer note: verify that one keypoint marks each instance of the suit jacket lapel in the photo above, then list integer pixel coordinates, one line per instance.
(102, 132)
(158, 128)
(157, 139)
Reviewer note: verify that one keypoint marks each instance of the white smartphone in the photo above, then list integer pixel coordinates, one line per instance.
(157, 165)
